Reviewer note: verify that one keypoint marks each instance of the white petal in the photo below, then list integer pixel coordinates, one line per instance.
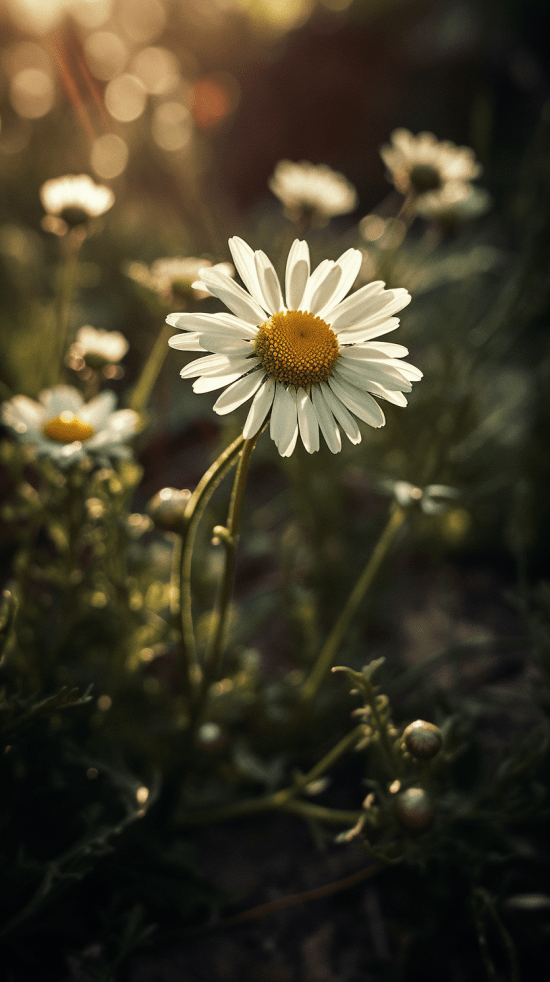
(327, 423)
(297, 273)
(269, 283)
(360, 307)
(284, 420)
(210, 383)
(362, 373)
(212, 322)
(346, 420)
(322, 296)
(380, 349)
(307, 421)
(233, 296)
(23, 414)
(358, 402)
(209, 365)
(261, 404)
(97, 411)
(239, 392)
(60, 399)
(350, 264)
(243, 257)
(186, 342)
(365, 355)
(372, 329)
(120, 426)
(315, 280)
(397, 398)
(219, 343)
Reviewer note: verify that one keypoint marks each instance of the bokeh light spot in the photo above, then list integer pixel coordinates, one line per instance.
(91, 13)
(125, 97)
(109, 155)
(106, 54)
(172, 126)
(214, 97)
(158, 69)
(143, 20)
(32, 93)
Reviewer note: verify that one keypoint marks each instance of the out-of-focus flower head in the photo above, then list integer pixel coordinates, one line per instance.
(311, 363)
(96, 349)
(423, 165)
(312, 191)
(434, 499)
(454, 204)
(72, 200)
(174, 279)
(66, 429)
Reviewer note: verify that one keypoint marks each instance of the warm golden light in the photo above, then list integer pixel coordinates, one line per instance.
(106, 54)
(32, 93)
(143, 20)
(213, 97)
(158, 69)
(125, 98)
(172, 126)
(109, 156)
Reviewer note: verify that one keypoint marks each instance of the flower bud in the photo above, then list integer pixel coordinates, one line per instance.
(423, 740)
(166, 509)
(414, 808)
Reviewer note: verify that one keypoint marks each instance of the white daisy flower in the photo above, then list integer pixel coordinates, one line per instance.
(312, 190)
(173, 278)
(74, 199)
(434, 499)
(418, 165)
(454, 204)
(65, 428)
(312, 363)
(97, 348)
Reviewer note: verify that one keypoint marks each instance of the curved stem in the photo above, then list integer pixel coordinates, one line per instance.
(229, 538)
(285, 800)
(191, 518)
(332, 644)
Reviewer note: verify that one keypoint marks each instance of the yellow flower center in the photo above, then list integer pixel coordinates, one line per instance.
(297, 348)
(66, 428)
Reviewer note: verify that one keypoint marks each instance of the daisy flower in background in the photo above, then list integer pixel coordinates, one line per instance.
(96, 349)
(173, 279)
(422, 165)
(312, 191)
(65, 428)
(312, 363)
(73, 200)
(454, 204)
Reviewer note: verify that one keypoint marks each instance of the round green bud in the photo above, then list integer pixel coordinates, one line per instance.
(422, 740)
(166, 509)
(414, 808)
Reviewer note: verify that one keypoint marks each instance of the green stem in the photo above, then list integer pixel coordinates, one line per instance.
(331, 646)
(229, 537)
(150, 372)
(191, 518)
(71, 245)
(285, 800)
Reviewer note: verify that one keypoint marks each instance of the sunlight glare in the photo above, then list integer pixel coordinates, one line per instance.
(125, 97)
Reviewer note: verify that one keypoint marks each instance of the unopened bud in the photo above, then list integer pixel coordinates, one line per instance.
(414, 808)
(167, 507)
(423, 740)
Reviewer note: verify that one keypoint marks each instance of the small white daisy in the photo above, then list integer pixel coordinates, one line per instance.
(74, 199)
(65, 428)
(312, 190)
(311, 363)
(420, 165)
(454, 204)
(97, 348)
(173, 278)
